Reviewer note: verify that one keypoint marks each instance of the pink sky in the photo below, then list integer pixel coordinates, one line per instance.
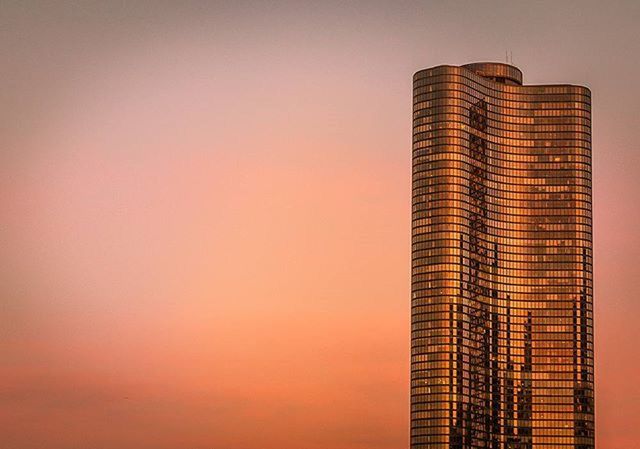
(206, 214)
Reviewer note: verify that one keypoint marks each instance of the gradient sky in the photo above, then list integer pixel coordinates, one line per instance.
(205, 213)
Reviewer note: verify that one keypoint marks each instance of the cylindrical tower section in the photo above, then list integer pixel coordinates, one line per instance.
(437, 219)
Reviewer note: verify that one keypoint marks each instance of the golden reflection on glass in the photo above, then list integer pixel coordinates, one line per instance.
(502, 316)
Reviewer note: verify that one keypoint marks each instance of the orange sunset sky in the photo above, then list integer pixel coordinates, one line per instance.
(205, 213)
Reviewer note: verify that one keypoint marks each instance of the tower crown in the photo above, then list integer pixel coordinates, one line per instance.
(497, 71)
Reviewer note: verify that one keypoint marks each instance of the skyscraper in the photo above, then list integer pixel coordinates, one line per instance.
(502, 316)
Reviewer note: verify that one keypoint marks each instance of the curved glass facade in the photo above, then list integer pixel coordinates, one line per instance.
(502, 317)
